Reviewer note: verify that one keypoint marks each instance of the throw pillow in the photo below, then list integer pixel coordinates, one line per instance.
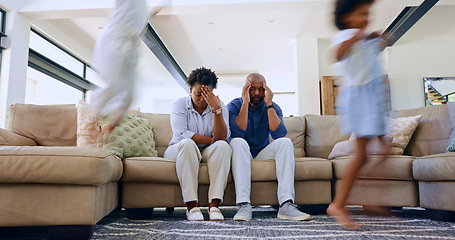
(451, 110)
(401, 130)
(133, 137)
(374, 147)
(88, 127)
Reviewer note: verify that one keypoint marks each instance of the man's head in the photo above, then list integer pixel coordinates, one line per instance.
(257, 91)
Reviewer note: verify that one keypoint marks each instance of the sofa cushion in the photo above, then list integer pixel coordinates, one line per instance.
(322, 133)
(59, 165)
(132, 137)
(296, 132)
(437, 167)
(162, 126)
(305, 169)
(433, 132)
(47, 125)
(395, 168)
(158, 170)
(8, 138)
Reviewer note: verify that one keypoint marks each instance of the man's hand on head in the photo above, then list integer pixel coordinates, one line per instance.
(246, 93)
(268, 95)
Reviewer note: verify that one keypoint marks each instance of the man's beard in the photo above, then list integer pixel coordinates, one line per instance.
(254, 104)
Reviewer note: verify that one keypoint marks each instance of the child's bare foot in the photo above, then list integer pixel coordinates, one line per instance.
(341, 216)
(106, 130)
(377, 211)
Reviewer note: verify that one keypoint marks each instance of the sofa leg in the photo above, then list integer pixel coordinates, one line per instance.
(170, 210)
(139, 213)
(441, 215)
(314, 209)
(73, 232)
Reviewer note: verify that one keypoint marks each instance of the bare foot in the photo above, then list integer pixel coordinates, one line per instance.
(378, 211)
(106, 130)
(341, 216)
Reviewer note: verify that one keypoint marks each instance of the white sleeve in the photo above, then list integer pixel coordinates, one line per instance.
(343, 36)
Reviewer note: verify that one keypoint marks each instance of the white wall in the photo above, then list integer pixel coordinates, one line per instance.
(412, 59)
(407, 62)
(307, 62)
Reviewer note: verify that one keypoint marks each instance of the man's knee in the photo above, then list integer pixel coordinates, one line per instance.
(284, 142)
(237, 143)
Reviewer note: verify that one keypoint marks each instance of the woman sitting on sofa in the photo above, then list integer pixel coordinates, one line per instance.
(200, 129)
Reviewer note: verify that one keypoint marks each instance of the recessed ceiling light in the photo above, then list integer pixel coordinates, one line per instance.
(211, 23)
(271, 21)
(100, 28)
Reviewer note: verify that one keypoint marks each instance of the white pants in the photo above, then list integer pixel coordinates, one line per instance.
(281, 150)
(187, 156)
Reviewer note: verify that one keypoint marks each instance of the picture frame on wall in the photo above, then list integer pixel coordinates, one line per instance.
(439, 90)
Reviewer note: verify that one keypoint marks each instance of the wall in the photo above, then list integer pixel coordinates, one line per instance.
(407, 62)
(413, 58)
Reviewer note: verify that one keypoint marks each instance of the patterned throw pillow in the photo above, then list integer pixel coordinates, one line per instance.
(133, 137)
(88, 127)
(374, 147)
(451, 110)
(401, 130)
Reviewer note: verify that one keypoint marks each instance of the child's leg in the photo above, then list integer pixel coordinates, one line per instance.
(337, 208)
(373, 209)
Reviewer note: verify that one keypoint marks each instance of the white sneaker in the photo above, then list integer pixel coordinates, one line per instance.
(244, 213)
(215, 214)
(194, 214)
(290, 211)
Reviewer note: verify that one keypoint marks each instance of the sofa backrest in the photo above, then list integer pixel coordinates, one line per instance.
(47, 125)
(296, 132)
(162, 127)
(322, 132)
(163, 132)
(433, 132)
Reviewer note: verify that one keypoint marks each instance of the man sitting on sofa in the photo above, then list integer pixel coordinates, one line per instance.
(252, 119)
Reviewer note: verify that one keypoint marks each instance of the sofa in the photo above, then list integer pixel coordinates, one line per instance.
(47, 181)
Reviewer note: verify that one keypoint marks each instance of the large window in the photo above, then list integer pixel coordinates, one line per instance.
(2, 31)
(54, 75)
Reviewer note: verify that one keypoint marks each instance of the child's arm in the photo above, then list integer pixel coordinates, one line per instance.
(346, 45)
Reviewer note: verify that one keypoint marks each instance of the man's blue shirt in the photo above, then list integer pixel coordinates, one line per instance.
(257, 132)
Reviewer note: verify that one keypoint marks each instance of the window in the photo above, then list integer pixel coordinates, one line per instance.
(54, 75)
(43, 89)
(2, 30)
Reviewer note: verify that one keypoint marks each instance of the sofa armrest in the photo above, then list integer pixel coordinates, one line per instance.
(9, 138)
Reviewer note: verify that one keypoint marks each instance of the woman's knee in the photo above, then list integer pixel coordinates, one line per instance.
(187, 145)
(222, 146)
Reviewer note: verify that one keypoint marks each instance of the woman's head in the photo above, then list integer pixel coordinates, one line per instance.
(352, 13)
(201, 77)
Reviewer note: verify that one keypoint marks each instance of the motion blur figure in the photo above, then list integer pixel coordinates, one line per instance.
(362, 99)
(115, 58)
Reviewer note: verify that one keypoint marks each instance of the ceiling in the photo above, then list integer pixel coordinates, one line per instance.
(232, 37)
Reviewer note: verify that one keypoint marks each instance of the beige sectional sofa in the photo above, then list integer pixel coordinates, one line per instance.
(45, 180)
